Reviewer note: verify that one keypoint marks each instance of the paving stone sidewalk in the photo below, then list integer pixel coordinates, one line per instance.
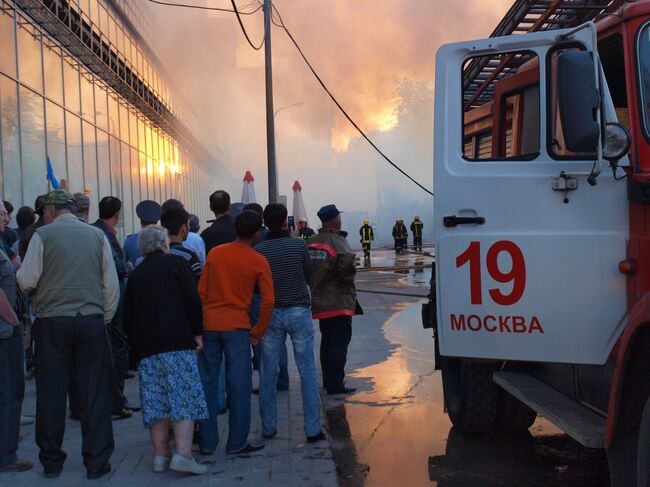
(287, 460)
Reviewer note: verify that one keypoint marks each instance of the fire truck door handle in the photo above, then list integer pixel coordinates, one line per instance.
(453, 220)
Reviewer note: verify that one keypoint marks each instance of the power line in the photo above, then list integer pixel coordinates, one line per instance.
(333, 98)
(243, 29)
(234, 10)
(199, 7)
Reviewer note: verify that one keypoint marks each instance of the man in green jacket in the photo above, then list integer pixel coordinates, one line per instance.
(333, 296)
(70, 275)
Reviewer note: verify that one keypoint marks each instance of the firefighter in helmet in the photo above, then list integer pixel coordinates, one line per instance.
(400, 235)
(416, 229)
(304, 232)
(405, 234)
(367, 236)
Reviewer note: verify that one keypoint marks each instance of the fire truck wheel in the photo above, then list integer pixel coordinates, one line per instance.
(513, 415)
(471, 396)
(643, 451)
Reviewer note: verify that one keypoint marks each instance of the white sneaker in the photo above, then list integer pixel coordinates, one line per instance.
(189, 465)
(160, 463)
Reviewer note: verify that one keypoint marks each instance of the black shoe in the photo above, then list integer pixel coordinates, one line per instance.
(131, 407)
(249, 448)
(341, 390)
(272, 435)
(121, 414)
(75, 416)
(255, 390)
(319, 437)
(51, 474)
(129, 375)
(281, 388)
(95, 474)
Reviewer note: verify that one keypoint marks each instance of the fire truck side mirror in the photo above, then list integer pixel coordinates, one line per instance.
(578, 100)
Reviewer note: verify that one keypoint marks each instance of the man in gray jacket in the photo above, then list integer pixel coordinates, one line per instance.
(69, 271)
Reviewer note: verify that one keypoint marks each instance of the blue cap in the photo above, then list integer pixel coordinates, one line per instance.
(328, 212)
(148, 211)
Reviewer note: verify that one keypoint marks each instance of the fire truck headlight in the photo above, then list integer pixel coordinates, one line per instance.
(617, 142)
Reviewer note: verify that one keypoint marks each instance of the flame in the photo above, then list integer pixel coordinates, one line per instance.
(382, 119)
(360, 49)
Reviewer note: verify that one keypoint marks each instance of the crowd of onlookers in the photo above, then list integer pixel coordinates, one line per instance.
(194, 314)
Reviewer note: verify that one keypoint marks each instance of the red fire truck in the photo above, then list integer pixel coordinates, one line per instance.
(542, 224)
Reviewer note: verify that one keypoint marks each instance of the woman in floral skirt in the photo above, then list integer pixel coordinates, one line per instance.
(163, 321)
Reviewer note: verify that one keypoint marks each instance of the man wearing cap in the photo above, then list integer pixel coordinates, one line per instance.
(333, 296)
(148, 212)
(304, 232)
(70, 274)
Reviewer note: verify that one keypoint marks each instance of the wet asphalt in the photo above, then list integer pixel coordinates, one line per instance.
(394, 431)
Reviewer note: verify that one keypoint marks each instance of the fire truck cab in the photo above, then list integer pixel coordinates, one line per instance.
(542, 235)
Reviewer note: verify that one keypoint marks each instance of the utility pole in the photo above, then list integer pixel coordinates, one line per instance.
(270, 122)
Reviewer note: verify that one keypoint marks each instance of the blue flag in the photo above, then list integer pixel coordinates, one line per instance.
(50, 175)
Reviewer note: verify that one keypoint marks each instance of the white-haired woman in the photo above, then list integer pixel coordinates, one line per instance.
(163, 320)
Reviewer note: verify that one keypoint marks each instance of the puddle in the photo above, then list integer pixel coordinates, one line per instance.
(397, 433)
(416, 267)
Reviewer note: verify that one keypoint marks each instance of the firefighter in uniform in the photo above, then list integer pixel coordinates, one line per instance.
(416, 229)
(399, 235)
(304, 232)
(396, 236)
(405, 235)
(367, 236)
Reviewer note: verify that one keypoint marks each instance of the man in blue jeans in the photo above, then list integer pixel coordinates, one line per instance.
(290, 267)
(231, 273)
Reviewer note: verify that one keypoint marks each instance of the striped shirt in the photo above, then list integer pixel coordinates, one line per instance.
(290, 266)
(191, 258)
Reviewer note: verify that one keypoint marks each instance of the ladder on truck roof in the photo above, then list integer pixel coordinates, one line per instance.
(481, 74)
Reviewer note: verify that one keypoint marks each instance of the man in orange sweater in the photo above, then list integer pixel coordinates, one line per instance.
(232, 272)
